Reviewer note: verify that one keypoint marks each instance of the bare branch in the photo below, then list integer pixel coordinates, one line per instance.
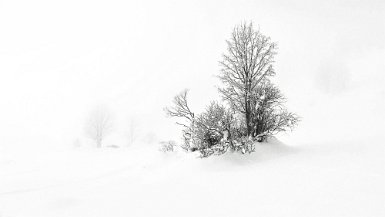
(180, 107)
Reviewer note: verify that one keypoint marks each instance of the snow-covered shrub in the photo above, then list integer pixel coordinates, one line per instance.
(243, 145)
(209, 132)
(219, 129)
(217, 149)
(212, 130)
(167, 146)
(269, 116)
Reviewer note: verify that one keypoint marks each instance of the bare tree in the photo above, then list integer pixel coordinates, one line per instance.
(249, 59)
(181, 110)
(99, 124)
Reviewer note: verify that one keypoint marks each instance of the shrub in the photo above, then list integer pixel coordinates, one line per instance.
(167, 146)
(211, 130)
(269, 116)
(243, 145)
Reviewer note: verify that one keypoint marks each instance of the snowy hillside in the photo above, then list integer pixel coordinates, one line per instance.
(277, 180)
(90, 89)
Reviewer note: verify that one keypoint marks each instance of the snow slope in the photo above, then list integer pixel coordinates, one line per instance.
(344, 179)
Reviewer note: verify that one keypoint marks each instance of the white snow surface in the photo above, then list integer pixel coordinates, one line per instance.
(344, 179)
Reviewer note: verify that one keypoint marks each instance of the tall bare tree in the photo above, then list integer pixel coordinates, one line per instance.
(249, 59)
(99, 124)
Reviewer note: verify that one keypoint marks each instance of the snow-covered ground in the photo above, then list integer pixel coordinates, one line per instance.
(334, 179)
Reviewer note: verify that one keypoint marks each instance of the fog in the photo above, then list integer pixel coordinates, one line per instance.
(60, 59)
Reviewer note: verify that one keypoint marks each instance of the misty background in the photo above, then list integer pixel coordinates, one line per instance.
(60, 59)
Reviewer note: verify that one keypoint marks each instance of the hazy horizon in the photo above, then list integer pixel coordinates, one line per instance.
(58, 60)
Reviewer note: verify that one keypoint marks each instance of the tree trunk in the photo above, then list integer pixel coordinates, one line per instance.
(98, 143)
(248, 115)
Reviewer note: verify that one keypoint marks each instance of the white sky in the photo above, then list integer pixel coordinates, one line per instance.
(58, 59)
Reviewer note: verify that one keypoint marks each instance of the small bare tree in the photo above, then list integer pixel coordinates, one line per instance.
(249, 59)
(181, 110)
(99, 125)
